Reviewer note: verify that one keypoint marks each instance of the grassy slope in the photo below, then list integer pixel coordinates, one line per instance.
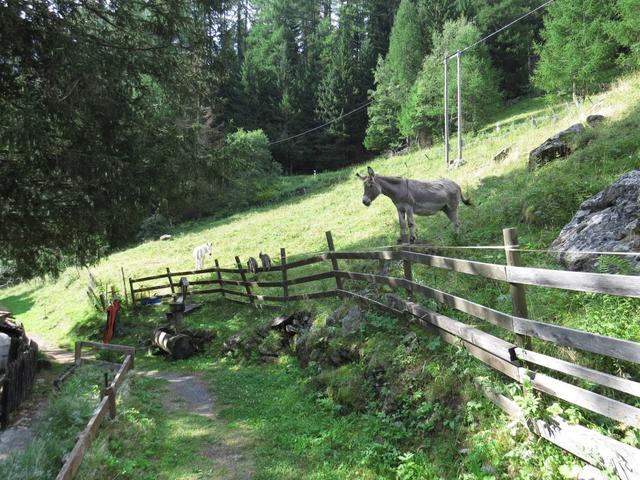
(326, 446)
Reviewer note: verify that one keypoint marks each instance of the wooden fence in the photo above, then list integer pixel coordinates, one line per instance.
(17, 382)
(516, 359)
(106, 406)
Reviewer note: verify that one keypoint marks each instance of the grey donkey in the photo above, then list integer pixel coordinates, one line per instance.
(415, 197)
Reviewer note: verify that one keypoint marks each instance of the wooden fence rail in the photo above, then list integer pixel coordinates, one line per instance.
(517, 361)
(106, 406)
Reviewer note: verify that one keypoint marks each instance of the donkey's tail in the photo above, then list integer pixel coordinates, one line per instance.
(466, 200)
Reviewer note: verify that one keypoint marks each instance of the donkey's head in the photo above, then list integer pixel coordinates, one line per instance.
(371, 188)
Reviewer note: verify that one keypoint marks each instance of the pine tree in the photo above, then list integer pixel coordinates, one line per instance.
(578, 53)
(627, 31)
(422, 115)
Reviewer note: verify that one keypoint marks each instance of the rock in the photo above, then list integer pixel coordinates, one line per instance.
(457, 163)
(332, 319)
(232, 344)
(165, 237)
(590, 473)
(341, 356)
(608, 221)
(558, 146)
(502, 155)
(595, 119)
(351, 321)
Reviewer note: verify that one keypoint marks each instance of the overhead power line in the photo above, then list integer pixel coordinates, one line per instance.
(484, 39)
(357, 109)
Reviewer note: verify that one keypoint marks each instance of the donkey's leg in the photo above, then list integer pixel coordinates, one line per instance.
(412, 225)
(452, 213)
(403, 226)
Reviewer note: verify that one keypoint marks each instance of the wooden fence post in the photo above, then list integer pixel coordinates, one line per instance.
(133, 296)
(518, 298)
(334, 261)
(244, 279)
(283, 263)
(124, 286)
(4, 403)
(173, 287)
(220, 277)
(78, 353)
(408, 275)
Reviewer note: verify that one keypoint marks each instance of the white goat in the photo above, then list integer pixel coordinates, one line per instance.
(199, 252)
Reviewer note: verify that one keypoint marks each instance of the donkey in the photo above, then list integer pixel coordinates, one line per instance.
(414, 196)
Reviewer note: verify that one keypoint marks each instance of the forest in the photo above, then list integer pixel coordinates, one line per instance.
(121, 118)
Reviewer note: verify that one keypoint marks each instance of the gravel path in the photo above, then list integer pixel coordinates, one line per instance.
(231, 453)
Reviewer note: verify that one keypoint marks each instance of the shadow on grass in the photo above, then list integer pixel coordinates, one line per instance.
(19, 304)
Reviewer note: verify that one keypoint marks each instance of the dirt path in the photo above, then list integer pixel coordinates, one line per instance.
(19, 434)
(188, 393)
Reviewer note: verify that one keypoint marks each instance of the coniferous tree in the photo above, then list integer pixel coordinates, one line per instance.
(579, 53)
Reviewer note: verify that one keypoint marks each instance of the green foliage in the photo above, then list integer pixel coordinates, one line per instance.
(578, 54)
(406, 45)
(422, 115)
(153, 226)
(627, 31)
(66, 415)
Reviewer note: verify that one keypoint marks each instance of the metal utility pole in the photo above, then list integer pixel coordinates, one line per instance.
(459, 72)
(446, 110)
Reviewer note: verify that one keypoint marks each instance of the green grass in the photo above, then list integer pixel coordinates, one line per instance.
(66, 416)
(305, 425)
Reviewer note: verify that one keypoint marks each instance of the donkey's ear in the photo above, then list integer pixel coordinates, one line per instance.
(361, 177)
(370, 171)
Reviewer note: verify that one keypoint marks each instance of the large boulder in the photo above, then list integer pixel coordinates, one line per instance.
(558, 146)
(608, 221)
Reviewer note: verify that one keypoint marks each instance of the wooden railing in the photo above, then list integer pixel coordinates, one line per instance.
(516, 359)
(106, 406)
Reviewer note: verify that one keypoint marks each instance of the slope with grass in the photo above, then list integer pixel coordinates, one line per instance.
(421, 418)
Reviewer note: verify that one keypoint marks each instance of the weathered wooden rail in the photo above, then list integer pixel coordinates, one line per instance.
(106, 406)
(513, 356)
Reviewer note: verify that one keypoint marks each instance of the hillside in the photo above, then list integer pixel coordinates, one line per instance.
(506, 194)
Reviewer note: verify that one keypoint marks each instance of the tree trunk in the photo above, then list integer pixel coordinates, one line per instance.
(178, 346)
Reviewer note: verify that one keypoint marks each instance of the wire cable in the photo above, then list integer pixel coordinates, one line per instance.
(323, 125)
(501, 28)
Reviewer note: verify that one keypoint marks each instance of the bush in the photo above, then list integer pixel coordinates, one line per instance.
(152, 227)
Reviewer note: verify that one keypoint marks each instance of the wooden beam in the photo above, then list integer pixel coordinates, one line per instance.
(334, 261)
(621, 285)
(586, 444)
(243, 275)
(307, 261)
(604, 379)
(584, 398)
(285, 286)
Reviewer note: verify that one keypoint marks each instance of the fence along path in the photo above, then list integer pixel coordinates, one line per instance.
(517, 360)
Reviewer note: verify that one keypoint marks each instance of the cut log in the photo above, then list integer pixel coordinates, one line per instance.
(178, 346)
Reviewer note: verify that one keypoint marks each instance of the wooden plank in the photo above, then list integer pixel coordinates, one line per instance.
(592, 447)
(334, 261)
(173, 287)
(584, 398)
(470, 267)
(152, 277)
(307, 261)
(155, 287)
(74, 459)
(590, 342)
(621, 285)
(120, 375)
(203, 282)
(498, 347)
(605, 379)
(495, 317)
(107, 346)
(277, 298)
(202, 291)
(310, 278)
(243, 276)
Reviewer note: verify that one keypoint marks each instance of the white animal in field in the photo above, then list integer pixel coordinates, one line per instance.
(199, 252)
